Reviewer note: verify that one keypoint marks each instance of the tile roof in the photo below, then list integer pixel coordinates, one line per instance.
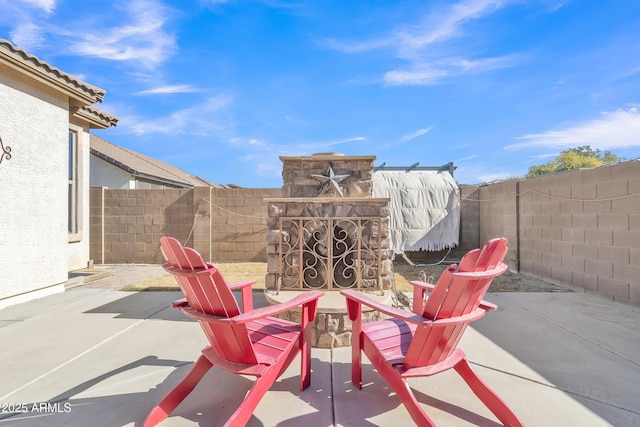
(99, 119)
(145, 167)
(19, 59)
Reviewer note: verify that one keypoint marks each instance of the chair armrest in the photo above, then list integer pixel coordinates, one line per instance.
(409, 316)
(259, 313)
(247, 297)
(241, 285)
(182, 302)
(424, 285)
(419, 289)
(383, 308)
(187, 272)
(486, 305)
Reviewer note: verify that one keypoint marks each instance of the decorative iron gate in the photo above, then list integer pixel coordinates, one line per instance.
(330, 253)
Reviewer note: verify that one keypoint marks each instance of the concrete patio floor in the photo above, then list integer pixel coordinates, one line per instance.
(100, 357)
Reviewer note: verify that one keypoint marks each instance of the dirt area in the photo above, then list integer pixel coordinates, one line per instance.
(403, 273)
(507, 282)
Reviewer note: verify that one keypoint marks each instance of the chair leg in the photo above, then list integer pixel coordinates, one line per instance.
(402, 389)
(305, 350)
(356, 351)
(163, 409)
(305, 367)
(260, 387)
(356, 364)
(489, 397)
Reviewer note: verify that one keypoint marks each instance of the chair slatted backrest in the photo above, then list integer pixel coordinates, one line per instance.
(458, 292)
(207, 292)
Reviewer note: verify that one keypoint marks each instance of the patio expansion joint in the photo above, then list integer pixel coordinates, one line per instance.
(333, 402)
(573, 393)
(581, 336)
(73, 359)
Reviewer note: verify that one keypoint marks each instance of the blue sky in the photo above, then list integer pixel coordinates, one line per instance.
(223, 88)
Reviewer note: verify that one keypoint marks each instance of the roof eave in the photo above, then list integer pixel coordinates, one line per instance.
(79, 92)
(136, 173)
(163, 180)
(97, 118)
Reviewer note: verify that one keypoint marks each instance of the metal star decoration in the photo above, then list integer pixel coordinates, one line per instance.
(330, 180)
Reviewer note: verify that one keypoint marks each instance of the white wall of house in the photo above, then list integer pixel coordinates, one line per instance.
(104, 174)
(33, 189)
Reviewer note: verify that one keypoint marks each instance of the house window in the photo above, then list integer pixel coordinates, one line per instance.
(73, 183)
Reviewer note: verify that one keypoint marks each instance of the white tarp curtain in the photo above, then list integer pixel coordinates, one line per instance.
(424, 210)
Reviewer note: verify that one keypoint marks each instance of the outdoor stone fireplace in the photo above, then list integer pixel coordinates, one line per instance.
(328, 232)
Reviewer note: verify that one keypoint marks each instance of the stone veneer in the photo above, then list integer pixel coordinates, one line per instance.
(298, 182)
(309, 210)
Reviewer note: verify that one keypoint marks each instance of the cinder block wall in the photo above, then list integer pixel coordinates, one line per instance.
(498, 217)
(239, 223)
(96, 225)
(126, 225)
(222, 224)
(469, 217)
(580, 228)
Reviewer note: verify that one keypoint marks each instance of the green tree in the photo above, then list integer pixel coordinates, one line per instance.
(574, 158)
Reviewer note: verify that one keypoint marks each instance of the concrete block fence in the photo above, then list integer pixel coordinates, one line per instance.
(579, 228)
(222, 224)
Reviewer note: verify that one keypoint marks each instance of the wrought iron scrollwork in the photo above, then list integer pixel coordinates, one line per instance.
(6, 151)
(329, 253)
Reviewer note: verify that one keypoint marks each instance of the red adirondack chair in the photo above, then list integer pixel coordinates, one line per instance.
(424, 342)
(249, 343)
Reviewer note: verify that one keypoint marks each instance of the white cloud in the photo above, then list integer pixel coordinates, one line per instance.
(256, 142)
(446, 24)
(268, 166)
(414, 77)
(162, 90)
(618, 129)
(423, 71)
(357, 47)
(27, 36)
(203, 119)
(554, 6)
(46, 5)
(415, 134)
(295, 120)
(342, 141)
(141, 37)
(424, 49)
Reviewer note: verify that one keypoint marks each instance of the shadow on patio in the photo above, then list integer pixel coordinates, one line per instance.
(557, 359)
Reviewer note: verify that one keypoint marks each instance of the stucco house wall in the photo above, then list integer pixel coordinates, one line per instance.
(33, 187)
(104, 174)
(39, 106)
